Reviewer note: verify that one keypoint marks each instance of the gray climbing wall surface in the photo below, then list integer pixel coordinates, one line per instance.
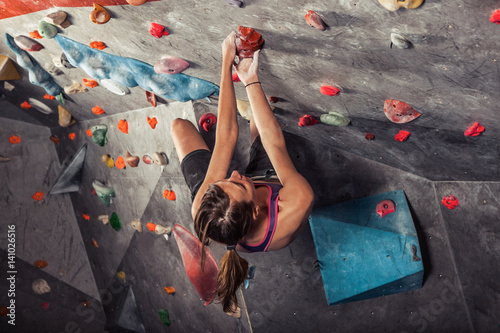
(449, 74)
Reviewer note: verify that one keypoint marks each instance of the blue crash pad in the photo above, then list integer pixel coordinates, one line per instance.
(363, 255)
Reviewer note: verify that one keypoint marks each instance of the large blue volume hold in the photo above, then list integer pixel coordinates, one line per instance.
(132, 72)
(363, 255)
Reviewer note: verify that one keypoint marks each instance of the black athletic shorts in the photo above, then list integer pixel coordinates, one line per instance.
(195, 165)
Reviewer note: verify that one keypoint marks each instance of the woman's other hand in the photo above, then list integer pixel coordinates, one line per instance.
(229, 49)
(247, 69)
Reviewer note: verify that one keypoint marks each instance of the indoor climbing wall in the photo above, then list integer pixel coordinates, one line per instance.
(378, 96)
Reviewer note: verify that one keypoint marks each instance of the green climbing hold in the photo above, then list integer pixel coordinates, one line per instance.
(47, 30)
(60, 98)
(115, 222)
(104, 192)
(335, 118)
(165, 318)
(99, 134)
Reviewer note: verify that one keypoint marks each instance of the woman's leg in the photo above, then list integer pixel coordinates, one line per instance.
(186, 138)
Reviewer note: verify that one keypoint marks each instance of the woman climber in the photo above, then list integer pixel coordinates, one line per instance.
(263, 210)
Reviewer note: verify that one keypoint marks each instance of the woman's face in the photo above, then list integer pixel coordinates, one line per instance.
(238, 187)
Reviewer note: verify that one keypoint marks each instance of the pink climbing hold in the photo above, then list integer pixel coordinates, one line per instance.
(450, 202)
(207, 121)
(329, 90)
(204, 281)
(399, 112)
(307, 120)
(385, 207)
(170, 65)
(495, 18)
(157, 30)
(474, 130)
(402, 135)
(315, 21)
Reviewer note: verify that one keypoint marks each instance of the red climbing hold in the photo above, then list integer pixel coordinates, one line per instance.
(450, 202)
(399, 112)
(307, 120)
(26, 105)
(315, 21)
(204, 281)
(45, 305)
(402, 135)
(54, 139)
(40, 264)
(151, 98)
(385, 207)
(98, 45)
(474, 130)
(152, 122)
(248, 42)
(47, 96)
(157, 30)
(86, 217)
(14, 139)
(89, 83)
(151, 226)
(207, 121)
(123, 126)
(169, 290)
(495, 18)
(235, 77)
(89, 133)
(369, 136)
(38, 196)
(72, 136)
(273, 99)
(329, 90)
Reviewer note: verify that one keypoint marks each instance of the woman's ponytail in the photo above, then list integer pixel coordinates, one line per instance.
(232, 273)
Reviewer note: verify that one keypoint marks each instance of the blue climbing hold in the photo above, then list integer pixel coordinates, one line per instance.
(132, 72)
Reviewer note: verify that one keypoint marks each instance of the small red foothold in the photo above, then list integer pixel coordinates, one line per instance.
(273, 99)
(151, 98)
(14, 139)
(402, 135)
(98, 45)
(38, 196)
(369, 136)
(123, 126)
(89, 133)
(89, 83)
(97, 110)
(151, 226)
(474, 130)
(314, 20)
(54, 139)
(86, 217)
(495, 18)
(152, 122)
(236, 78)
(157, 30)
(72, 136)
(47, 96)
(45, 305)
(170, 195)
(207, 121)
(329, 90)
(450, 202)
(307, 120)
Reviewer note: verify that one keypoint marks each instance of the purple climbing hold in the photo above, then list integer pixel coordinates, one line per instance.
(236, 3)
(27, 44)
(170, 65)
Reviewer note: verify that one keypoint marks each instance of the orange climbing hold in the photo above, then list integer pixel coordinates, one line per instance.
(402, 135)
(169, 290)
(97, 110)
(99, 15)
(157, 30)
(26, 105)
(120, 162)
(329, 90)
(47, 96)
(15, 139)
(72, 136)
(170, 195)
(35, 34)
(98, 45)
(94, 243)
(152, 122)
(474, 130)
(89, 83)
(151, 226)
(40, 264)
(86, 217)
(123, 126)
(89, 133)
